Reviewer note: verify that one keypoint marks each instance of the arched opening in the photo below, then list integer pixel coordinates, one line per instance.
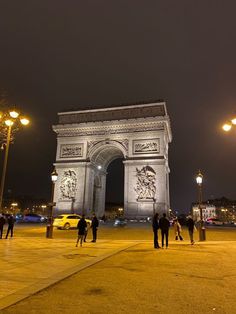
(115, 187)
(106, 159)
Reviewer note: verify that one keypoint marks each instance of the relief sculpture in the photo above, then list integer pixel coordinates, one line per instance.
(145, 186)
(68, 185)
(144, 147)
(73, 150)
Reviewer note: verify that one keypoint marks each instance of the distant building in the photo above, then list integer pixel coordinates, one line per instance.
(221, 208)
(225, 209)
(208, 211)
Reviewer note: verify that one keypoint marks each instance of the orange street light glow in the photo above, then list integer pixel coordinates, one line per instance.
(227, 127)
(9, 122)
(14, 114)
(24, 121)
(233, 121)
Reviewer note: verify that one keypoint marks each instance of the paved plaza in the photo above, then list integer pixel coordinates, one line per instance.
(117, 275)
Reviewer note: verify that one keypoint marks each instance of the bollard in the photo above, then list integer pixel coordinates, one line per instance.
(49, 231)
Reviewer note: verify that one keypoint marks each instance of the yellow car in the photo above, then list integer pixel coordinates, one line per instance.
(67, 221)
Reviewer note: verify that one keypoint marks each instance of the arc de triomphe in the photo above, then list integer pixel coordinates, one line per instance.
(88, 140)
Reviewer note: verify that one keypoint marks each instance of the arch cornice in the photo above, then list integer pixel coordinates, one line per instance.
(116, 127)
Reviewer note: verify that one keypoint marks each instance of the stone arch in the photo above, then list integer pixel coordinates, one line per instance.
(89, 140)
(104, 152)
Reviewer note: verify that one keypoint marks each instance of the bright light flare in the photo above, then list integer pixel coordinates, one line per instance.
(14, 114)
(233, 121)
(9, 122)
(199, 178)
(227, 127)
(24, 121)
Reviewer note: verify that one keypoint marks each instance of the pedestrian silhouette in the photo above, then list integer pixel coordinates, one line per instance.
(155, 227)
(94, 226)
(2, 223)
(81, 226)
(191, 225)
(177, 229)
(164, 225)
(10, 221)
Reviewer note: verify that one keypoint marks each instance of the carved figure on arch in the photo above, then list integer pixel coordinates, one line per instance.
(68, 185)
(145, 186)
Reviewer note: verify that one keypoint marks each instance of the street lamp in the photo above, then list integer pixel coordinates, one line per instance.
(9, 122)
(49, 231)
(229, 124)
(202, 230)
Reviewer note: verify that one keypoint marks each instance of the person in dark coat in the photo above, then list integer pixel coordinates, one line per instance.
(82, 228)
(11, 222)
(164, 225)
(155, 227)
(2, 223)
(191, 225)
(94, 226)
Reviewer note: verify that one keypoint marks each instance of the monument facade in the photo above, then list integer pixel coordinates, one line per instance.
(89, 140)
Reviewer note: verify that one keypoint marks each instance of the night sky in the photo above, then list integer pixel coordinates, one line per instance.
(56, 55)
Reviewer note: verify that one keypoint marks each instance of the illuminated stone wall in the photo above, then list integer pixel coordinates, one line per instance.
(84, 150)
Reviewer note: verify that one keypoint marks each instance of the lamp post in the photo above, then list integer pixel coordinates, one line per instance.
(8, 120)
(202, 230)
(49, 230)
(227, 126)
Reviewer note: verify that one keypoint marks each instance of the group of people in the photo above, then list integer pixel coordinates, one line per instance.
(83, 229)
(164, 224)
(10, 220)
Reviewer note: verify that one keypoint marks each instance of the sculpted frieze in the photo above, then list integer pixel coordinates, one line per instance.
(68, 185)
(111, 129)
(147, 146)
(71, 150)
(145, 185)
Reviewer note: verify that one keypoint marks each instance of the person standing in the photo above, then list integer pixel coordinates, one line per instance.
(164, 225)
(2, 223)
(178, 230)
(94, 226)
(82, 228)
(191, 225)
(11, 222)
(155, 227)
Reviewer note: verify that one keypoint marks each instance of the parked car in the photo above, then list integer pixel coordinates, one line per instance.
(214, 221)
(67, 221)
(34, 218)
(19, 217)
(120, 222)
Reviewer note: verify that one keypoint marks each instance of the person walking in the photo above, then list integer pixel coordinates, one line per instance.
(2, 223)
(177, 229)
(164, 225)
(82, 227)
(94, 226)
(155, 227)
(191, 226)
(11, 222)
